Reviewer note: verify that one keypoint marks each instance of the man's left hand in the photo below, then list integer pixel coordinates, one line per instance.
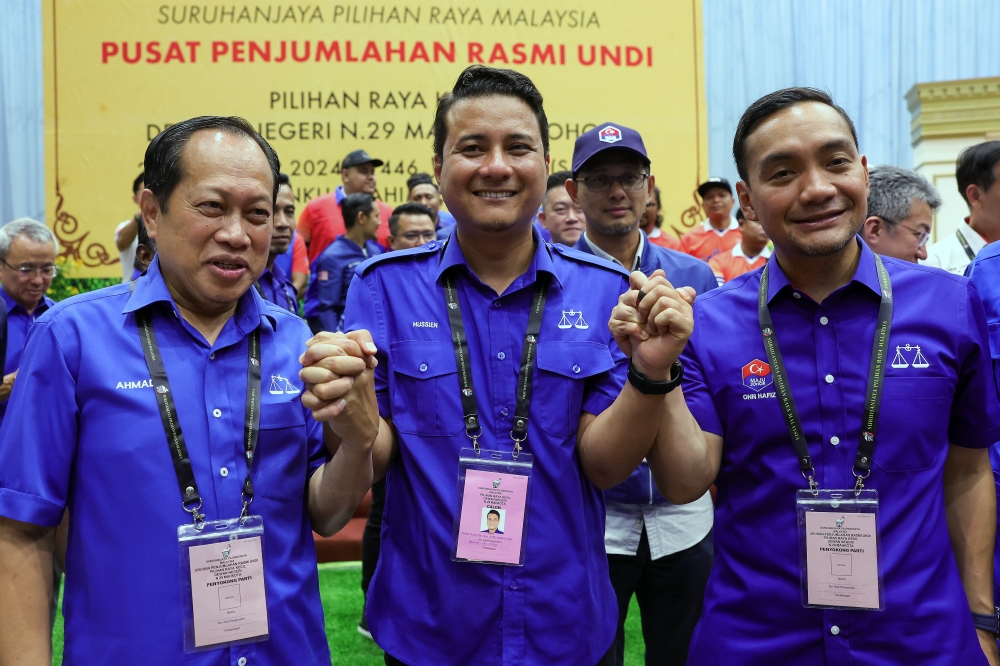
(8, 385)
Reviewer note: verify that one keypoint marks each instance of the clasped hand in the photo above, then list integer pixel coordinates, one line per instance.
(337, 370)
(653, 331)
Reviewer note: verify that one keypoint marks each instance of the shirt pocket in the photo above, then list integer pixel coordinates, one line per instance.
(425, 390)
(281, 459)
(563, 371)
(913, 423)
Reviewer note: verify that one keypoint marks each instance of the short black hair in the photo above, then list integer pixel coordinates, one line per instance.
(420, 179)
(739, 214)
(408, 209)
(139, 180)
(283, 179)
(352, 204)
(770, 104)
(143, 239)
(162, 163)
(493, 511)
(558, 179)
(482, 81)
(975, 166)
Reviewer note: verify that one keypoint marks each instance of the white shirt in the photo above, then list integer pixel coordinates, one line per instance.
(706, 225)
(948, 252)
(670, 528)
(127, 257)
(604, 255)
(738, 252)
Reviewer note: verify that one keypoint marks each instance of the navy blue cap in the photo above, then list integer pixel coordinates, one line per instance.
(603, 137)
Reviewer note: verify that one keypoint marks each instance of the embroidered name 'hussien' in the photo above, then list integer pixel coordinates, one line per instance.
(425, 324)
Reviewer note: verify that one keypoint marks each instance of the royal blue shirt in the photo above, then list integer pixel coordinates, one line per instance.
(18, 324)
(331, 275)
(984, 272)
(424, 609)
(938, 390)
(277, 288)
(89, 438)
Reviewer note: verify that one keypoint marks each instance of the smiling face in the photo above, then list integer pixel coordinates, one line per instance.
(616, 211)
(492, 522)
(27, 289)
(808, 185)
(562, 216)
(213, 238)
(493, 166)
(427, 195)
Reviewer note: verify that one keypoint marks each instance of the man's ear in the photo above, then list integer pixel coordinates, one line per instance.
(973, 193)
(149, 206)
(573, 191)
(343, 174)
(743, 199)
(872, 229)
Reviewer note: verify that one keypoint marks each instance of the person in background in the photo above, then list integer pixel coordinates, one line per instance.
(274, 284)
(560, 215)
(145, 250)
(423, 190)
(901, 208)
(750, 254)
(28, 252)
(977, 172)
(658, 551)
(332, 271)
(719, 232)
(322, 220)
(652, 221)
(127, 231)
(295, 260)
(411, 225)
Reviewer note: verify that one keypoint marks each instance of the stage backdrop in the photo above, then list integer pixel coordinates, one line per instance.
(319, 80)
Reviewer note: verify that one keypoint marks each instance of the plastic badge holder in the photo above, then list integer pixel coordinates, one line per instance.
(491, 520)
(222, 573)
(839, 549)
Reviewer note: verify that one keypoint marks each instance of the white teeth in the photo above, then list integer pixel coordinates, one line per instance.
(496, 195)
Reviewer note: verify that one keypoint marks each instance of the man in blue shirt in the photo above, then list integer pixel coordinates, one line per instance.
(332, 271)
(274, 284)
(984, 273)
(585, 428)
(825, 297)
(90, 437)
(424, 191)
(28, 251)
(658, 551)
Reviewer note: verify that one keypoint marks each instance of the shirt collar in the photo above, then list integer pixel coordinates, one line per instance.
(866, 274)
(972, 237)
(636, 261)
(13, 306)
(738, 252)
(339, 194)
(706, 225)
(452, 255)
(151, 288)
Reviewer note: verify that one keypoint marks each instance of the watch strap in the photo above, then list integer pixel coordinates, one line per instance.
(988, 621)
(647, 386)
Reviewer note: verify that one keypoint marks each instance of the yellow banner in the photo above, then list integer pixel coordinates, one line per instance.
(319, 80)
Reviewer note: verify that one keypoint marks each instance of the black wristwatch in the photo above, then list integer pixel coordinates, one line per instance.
(988, 621)
(647, 386)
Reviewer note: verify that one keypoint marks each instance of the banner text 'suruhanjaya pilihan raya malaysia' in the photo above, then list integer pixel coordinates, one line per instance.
(320, 80)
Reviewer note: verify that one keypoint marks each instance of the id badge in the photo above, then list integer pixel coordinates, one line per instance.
(491, 520)
(222, 582)
(839, 561)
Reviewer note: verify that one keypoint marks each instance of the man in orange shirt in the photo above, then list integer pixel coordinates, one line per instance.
(322, 220)
(749, 254)
(719, 232)
(651, 221)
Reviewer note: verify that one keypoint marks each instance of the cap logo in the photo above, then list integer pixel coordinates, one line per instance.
(610, 134)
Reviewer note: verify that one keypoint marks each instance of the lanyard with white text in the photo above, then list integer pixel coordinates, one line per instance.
(172, 426)
(876, 378)
(519, 431)
(965, 245)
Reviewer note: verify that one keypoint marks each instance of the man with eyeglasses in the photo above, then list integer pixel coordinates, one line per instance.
(411, 225)
(659, 551)
(901, 207)
(28, 251)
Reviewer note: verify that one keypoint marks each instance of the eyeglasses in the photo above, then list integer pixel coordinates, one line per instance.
(630, 182)
(27, 272)
(412, 236)
(922, 236)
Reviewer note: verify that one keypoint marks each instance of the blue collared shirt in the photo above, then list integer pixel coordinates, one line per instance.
(330, 278)
(277, 288)
(19, 322)
(559, 608)
(938, 390)
(984, 272)
(89, 438)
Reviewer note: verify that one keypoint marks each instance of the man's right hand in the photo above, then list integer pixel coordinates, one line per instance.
(8, 385)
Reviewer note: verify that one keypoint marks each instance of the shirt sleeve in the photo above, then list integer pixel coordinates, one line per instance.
(975, 410)
(38, 438)
(316, 446)
(706, 279)
(364, 312)
(329, 279)
(300, 257)
(694, 384)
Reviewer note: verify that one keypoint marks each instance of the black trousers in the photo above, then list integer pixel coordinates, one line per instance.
(606, 660)
(371, 539)
(670, 592)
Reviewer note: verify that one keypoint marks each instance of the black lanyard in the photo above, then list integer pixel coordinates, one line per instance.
(171, 424)
(473, 429)
(876, 379)
(965, 245)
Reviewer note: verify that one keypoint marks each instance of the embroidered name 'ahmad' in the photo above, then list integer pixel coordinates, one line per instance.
(145, 383)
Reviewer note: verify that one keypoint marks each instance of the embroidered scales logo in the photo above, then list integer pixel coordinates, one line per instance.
(579, 322)
(280, 386)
